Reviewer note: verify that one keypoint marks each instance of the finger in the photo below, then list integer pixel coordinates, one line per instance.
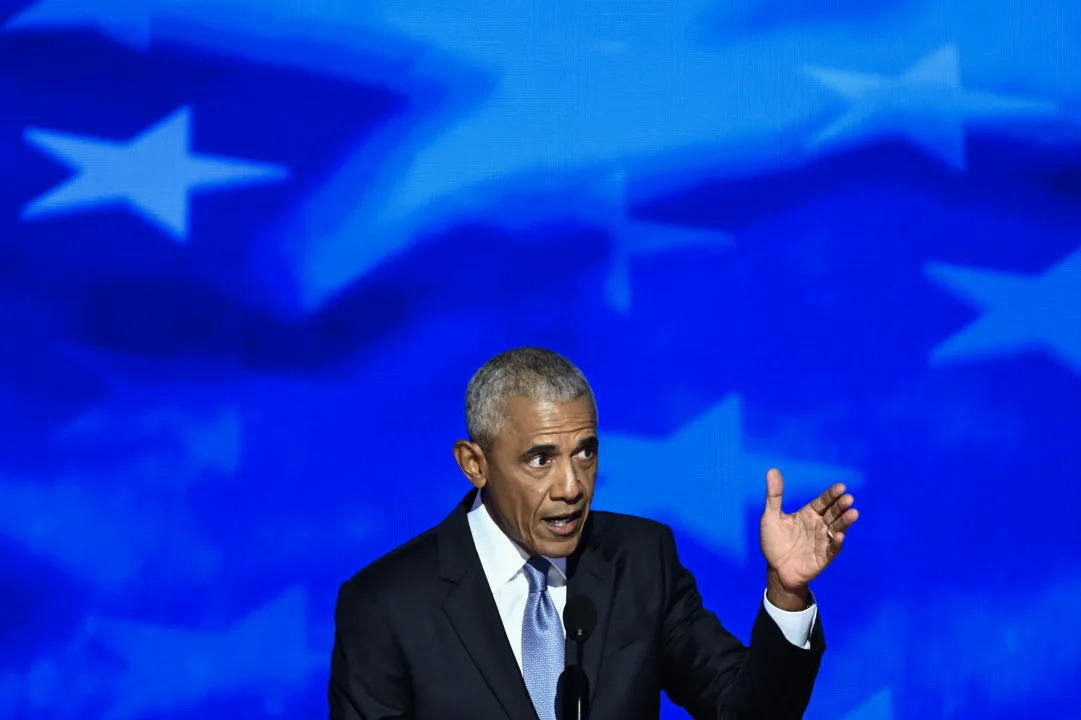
(822, 503)
(838, 508)
(774, 491)
(843, 523)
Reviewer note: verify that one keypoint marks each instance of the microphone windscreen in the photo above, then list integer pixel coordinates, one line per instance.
(580, 616)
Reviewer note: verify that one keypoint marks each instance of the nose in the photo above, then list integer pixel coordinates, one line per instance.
(567, 487)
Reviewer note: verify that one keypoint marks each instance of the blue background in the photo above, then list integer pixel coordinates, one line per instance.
(251, 252)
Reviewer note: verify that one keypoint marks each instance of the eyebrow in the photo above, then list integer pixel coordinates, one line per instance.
(590, 442)
(548, 449)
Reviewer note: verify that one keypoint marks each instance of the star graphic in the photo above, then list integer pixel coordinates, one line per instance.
(1020, 313)
(926, 104)
(704, 480)
(153, 173)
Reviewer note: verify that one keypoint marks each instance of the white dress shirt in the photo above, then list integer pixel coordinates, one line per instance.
(503, 560)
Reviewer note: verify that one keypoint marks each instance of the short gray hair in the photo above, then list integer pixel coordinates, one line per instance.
(532, 372)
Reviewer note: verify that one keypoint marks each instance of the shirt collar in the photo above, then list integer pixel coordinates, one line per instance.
(501, 557)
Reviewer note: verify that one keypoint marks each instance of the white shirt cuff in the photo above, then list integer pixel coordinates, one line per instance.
(796, 626)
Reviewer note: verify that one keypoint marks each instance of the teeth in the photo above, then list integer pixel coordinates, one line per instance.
(560, 521)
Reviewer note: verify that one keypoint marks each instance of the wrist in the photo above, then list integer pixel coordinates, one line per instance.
(790, 599)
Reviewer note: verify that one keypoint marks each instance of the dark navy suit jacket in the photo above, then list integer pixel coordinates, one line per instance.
(418, 635)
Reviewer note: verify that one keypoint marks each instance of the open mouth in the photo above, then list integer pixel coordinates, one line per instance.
(564, 524)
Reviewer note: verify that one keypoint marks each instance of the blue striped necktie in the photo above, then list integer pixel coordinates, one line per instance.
(542, 641)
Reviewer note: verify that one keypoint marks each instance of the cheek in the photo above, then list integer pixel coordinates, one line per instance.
(533, 508)
(526, 505)
(532, 504)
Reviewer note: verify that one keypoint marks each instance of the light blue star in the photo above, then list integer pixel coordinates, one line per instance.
(704, 480)
(153, 173)
(926, 104)
(1020, 313)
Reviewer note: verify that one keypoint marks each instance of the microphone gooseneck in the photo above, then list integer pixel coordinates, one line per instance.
(579, 618)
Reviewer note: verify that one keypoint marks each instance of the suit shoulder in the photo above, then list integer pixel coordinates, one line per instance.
(629, 528)
(408, 567)
(621, 521)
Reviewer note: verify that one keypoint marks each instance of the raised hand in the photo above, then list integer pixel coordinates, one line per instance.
(800, 545)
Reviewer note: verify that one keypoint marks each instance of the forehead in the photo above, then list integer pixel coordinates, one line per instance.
(527, 418)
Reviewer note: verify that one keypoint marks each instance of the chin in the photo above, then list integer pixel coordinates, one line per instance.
(559, 547)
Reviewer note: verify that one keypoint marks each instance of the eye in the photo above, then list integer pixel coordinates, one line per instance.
(539, 461)
(587, 453)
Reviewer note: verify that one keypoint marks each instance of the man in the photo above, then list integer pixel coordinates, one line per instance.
(465, 620)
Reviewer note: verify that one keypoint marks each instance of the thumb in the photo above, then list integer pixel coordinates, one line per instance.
(774, 491)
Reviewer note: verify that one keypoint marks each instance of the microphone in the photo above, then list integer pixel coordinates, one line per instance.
(579, 618)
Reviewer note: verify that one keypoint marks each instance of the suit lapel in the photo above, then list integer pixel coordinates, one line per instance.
(592, 575)
(472, 612)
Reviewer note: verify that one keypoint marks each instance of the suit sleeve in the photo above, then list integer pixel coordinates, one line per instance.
(369, 679)
(711, 674)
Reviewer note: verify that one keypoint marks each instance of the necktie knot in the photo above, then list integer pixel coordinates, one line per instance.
(536, 571)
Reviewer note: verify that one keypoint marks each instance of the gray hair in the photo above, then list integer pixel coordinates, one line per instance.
(532, 372)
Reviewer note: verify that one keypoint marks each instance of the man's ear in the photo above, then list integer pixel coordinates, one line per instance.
(471, 460)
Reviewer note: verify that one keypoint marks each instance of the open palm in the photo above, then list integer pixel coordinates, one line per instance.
(800, 545)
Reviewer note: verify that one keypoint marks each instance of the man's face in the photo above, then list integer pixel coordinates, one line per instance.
(540, 474)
